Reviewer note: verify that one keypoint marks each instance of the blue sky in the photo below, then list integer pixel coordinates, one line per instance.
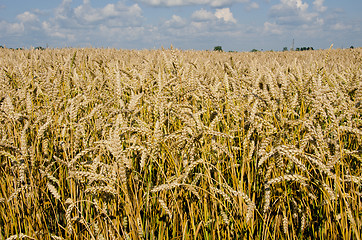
(239, 25)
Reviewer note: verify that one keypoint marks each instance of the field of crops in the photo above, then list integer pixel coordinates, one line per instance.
(171, 144)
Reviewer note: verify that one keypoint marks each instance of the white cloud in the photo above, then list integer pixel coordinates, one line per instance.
(296, 4)
(127, 33)
(85, 20)
(27, 22)
(175, 22)
(295, 16)
(319, 22)
(87, 17)
(53, 31)
(340, 26)
(87, 14)
(225, 14)
(253, 5)
(171, 3)
(272, 28)
(203, 15)
(86, 25)
(292, 13)
(203, 25)
(11, 28)
(71, 24)
(286, 6)
(120, 23)
(27, 17)
(318, 5)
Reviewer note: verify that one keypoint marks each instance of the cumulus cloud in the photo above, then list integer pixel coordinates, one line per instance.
(272, 28)
(292, 12)
(340, 26)
(82, 24)
(171, 3)
(252, 5)
(11, 28)
(87, 14)
(298, 4)
(27, 17)
(296, 16)
(54, 31)
(175, 22)
(225, 14)
(289, 7)
(203, 25)
(318, 5)
(121, 23)
(85, 21)
(203, 15)
(27, 22)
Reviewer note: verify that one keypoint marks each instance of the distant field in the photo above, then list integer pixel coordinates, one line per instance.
(170, 144)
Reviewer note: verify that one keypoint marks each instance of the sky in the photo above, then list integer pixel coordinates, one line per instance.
(236, 25)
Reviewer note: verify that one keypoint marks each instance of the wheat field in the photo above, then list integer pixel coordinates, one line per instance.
(173, 144)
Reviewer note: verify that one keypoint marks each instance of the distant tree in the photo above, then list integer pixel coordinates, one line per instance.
(304, 49)
(218, 48)
(351, 47)
(285, 49)
(1, 46)
(254, 50)
(39, 48)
